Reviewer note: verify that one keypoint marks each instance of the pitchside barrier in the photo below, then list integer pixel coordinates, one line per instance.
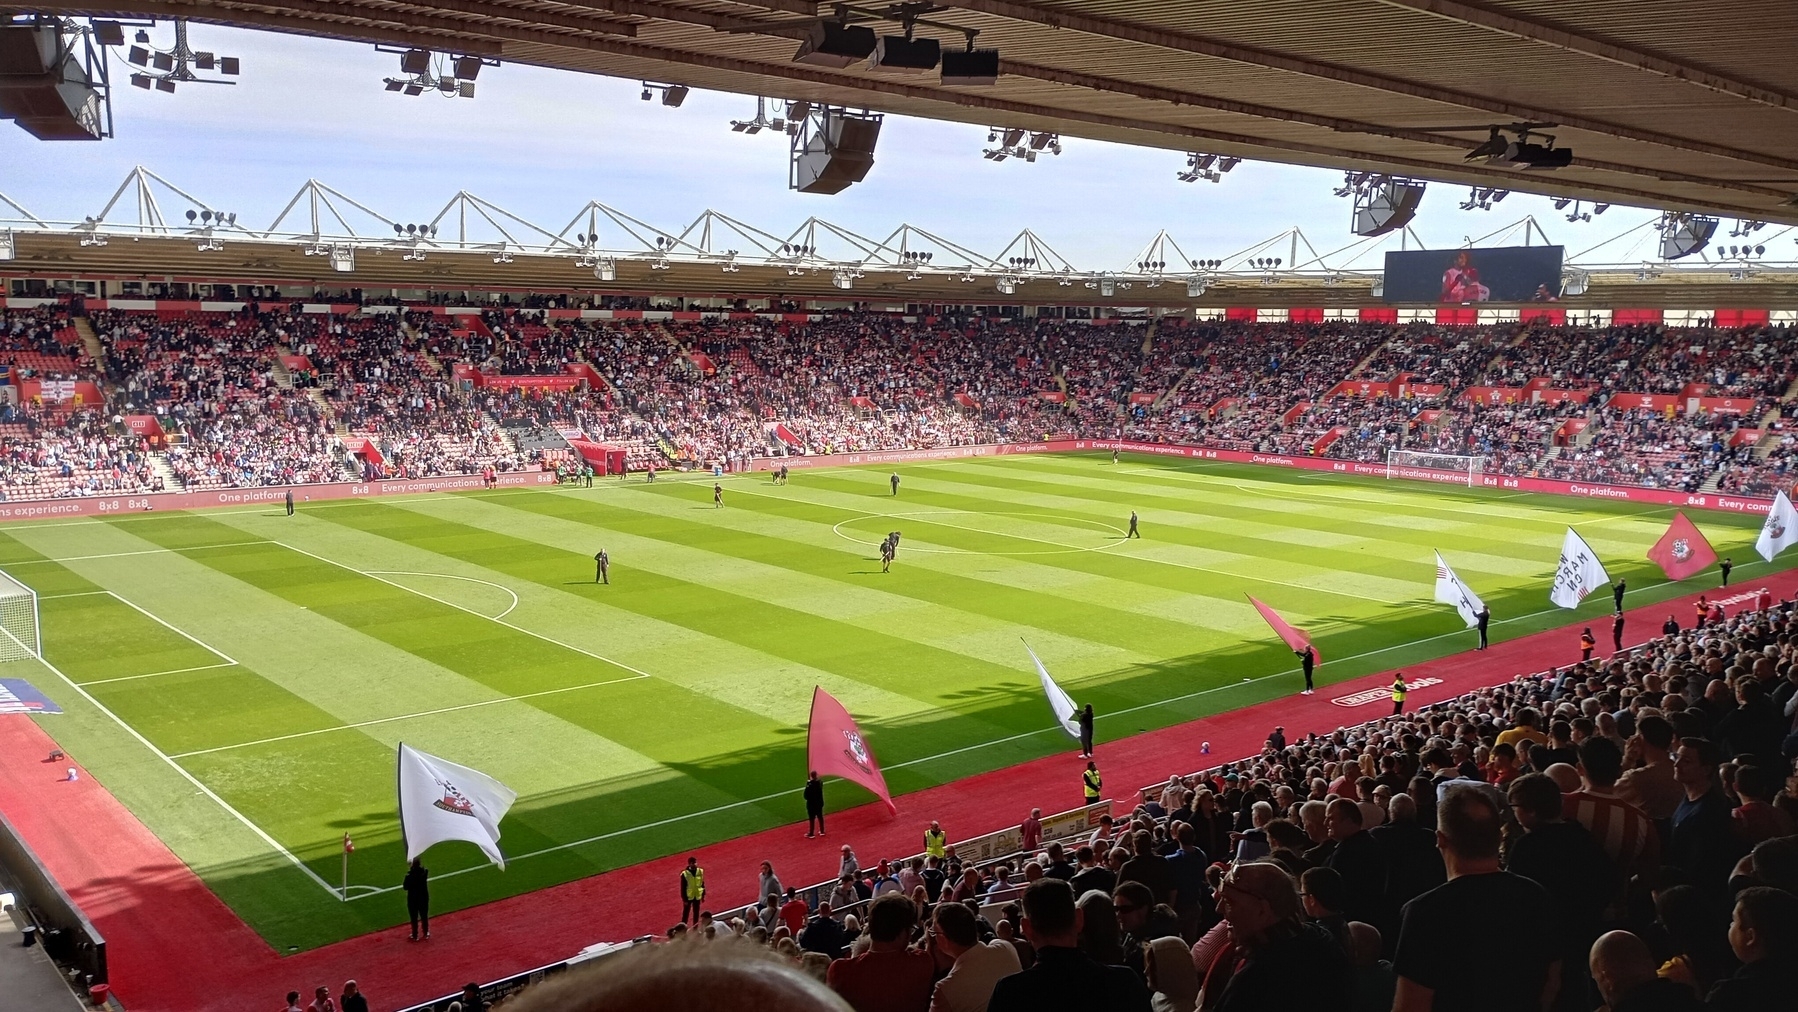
(65, 932)
(500, 990)
(272, 495)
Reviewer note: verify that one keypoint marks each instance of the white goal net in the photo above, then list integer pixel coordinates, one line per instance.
(1414, 464)
(18, 620)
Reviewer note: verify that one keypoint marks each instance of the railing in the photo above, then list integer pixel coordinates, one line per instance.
(978, 852)
(496, 991)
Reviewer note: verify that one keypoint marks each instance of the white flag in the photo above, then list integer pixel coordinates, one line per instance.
(1580, 573)
(1781, 529)
(1058, 700)
(440, 801)
(1450, 590)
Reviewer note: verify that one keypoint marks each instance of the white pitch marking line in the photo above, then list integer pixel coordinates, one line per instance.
(122, 555)
(78, 593)
(261, 834)
(637, 672)
(407, 716)
(446, 576)
(176, 629)
(155, 674)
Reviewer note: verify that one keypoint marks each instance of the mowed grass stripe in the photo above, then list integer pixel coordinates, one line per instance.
(1188, 560)
(896, 664)
(574, 611)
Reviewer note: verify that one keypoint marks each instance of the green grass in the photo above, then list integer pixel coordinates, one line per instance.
(245, 677)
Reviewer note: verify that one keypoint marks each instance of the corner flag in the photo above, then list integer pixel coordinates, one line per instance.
(1295, 639)
(1450, 590)
(1781, 529)
(1059, 703)
(441, 801)
(835, 746)
(1579, 572)
(1683, 550)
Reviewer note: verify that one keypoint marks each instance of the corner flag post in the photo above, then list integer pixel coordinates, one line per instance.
(348, 846)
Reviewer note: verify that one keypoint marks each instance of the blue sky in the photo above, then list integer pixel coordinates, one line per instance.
(542, 143)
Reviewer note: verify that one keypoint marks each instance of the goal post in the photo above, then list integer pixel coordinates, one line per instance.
(1400, 461)
(19, 633)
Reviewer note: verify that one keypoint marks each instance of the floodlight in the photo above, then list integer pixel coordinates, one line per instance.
(164, 62)
(415, 61)
(395, 84)
(228, 65)
(972, 69)
(414, 88)
(1493, 147)
(138, 55)
(896, 52)
(203, 61)
(140, 81)
(1107, 288)
(674, 95)
(109, 33)
(164, 84)
(607, 270)
(1013, 136)
(645, 96)
(465, 89)
(467, 68)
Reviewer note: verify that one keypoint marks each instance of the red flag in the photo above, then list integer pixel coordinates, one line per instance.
(1295, 638)
(835, 746)
(1682, 551)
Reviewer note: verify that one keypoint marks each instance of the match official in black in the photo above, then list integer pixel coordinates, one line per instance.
(602, 563)
(814, 806)
(290, 502)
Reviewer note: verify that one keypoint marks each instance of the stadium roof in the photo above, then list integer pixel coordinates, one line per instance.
(1680, 106)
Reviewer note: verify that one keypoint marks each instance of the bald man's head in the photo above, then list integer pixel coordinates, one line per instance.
(1621, 963)
(686, 976)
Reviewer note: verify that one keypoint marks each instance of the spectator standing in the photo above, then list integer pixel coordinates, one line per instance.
(1439, 968)
(975, 968)
(1649, 782)
(321, 1000)
(848, 867)
(293, 1003)
(1413, 864)
(1092, 876)
(1282, 962)
(768, 882)
(1704, 843)
(1149, 868)
(1360, 861)
(1030, 834)
(1623, 969)
(793, 913)
(1622, 829)
(1063, 976)
(353, 1000)
(823, 934)
(1764, 935)
(1563, 858)
(889, 976)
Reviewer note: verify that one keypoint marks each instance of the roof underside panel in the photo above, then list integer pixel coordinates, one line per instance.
(1684, 106)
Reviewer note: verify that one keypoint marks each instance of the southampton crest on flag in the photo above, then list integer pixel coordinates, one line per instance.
(453, 801)
(1682, 550)
(857, 750)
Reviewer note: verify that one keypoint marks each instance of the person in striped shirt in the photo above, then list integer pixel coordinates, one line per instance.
(1622, 829)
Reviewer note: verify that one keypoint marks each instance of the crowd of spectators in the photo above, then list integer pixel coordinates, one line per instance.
(1621, 834)
(267, 396)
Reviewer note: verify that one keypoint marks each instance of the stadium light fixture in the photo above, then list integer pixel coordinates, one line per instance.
(343, 259)
(606, 269)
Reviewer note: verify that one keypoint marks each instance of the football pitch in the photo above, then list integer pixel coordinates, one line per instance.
(240, 679)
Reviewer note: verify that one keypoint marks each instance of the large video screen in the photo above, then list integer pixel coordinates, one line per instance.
(1467, 276)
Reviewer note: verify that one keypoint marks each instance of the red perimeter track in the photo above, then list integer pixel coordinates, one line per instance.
(175, 947)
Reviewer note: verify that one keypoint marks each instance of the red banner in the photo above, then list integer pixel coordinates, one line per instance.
(564, 382)
(1295, 639)
(1721, 405)
(835, 747)
(1656, 402)
(1492, 395)
(1683, 550)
